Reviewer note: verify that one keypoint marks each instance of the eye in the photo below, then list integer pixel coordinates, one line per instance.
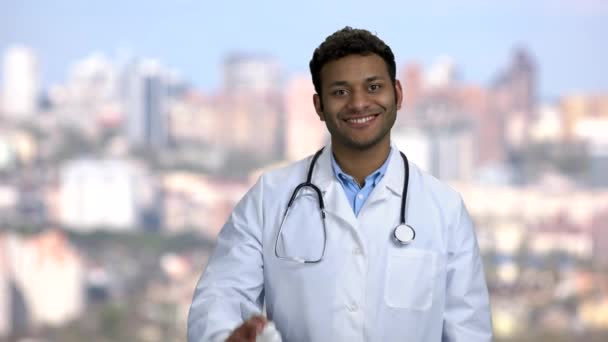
(339, 92)
(374, 87)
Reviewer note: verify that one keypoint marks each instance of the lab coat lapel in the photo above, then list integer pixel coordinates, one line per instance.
(336, 203)
(392, 182)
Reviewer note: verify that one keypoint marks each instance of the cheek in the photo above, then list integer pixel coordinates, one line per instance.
(329, 114)
(332, 105)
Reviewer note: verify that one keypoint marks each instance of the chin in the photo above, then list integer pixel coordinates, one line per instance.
(363, 145)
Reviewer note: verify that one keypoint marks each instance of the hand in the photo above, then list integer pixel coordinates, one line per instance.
(248, 331)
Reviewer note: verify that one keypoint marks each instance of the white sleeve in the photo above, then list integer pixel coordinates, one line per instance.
(231, 287)
(467, 316)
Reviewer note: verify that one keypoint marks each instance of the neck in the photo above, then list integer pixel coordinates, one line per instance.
(361, 163)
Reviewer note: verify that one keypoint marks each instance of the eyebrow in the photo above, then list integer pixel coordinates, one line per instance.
(344, 83)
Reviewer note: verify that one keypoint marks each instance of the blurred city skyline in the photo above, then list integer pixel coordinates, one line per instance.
(195, 37)
(129, 132)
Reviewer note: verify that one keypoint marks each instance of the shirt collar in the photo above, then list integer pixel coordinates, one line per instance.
(374, 177)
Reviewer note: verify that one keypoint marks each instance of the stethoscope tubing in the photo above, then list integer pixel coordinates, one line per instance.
(311, 185)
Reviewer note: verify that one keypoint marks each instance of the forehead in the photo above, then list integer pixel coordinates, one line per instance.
(354, 68)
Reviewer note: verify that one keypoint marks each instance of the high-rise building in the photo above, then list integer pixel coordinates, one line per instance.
(522, 81)
(21, 83)
(93, 93)
(146, 101)
(515, 89)
(253, 106)
(306, 133)
(514, 101)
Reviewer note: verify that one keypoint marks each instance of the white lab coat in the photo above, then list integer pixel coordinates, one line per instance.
(367, 288)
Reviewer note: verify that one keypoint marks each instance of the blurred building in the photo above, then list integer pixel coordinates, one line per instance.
(514, 98)
(476, 104)
(599, 234)
(416, 144)
(579, 107)
(306, 133)
(31, 207)
(193, 202)
(104, 194)
(441, 74)
(252, 106)
(593, 313)
(447, 153)
(412, 85)
(92, 94)
(5, 291)
(21, 83)
(585, 120)
(532, 204)
(592, 131)
(558, 234)
(18, 150)
(196, 119)
(182, 275)
(441, 119)
(436, 97)
(454, 155)
(8, 155)
(508, 237)
(548, 126)
(146, 103)
(48, 272)
(519, 84)
(175, 292)
(507, 316)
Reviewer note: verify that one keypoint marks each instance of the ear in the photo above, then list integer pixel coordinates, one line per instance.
(316, 100)
(398, 94)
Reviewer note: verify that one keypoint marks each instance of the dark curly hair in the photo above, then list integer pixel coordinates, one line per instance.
(349, 41)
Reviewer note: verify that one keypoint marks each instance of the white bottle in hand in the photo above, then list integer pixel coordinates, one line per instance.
(269, 334)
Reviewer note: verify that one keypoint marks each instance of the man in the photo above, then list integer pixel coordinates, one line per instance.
(352, 270)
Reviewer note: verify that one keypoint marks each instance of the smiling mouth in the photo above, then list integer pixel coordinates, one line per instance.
(362, 120)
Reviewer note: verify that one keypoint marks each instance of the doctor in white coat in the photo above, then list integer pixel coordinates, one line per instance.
(370, 249)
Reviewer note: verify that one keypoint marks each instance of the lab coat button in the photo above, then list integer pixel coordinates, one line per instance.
(357, 251)
(353, 307)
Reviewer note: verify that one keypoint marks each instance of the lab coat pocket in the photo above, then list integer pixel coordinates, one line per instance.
(410, 279)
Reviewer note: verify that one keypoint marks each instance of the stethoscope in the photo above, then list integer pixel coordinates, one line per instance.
(403, 234)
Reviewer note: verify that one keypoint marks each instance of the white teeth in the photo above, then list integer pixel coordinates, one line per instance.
(361, 120)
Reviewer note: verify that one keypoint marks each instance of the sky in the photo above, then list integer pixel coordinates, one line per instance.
(566, 37)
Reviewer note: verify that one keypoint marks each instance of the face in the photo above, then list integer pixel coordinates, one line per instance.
(358, 101)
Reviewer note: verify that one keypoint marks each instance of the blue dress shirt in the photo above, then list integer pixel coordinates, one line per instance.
(356, 194)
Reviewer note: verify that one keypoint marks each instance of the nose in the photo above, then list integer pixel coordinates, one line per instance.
(359, 101)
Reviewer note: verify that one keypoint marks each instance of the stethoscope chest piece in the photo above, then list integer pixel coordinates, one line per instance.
(404, 234)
